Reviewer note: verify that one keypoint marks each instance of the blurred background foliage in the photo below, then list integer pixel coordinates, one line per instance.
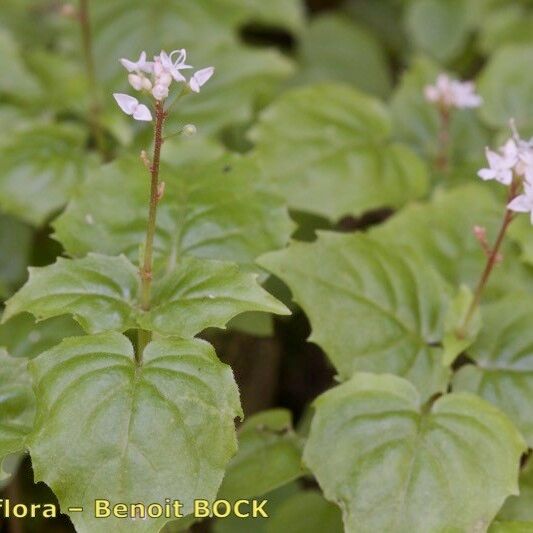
(277, 62)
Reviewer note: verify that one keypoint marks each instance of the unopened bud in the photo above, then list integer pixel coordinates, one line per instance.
(189, 130)
(158, 67)
(145, 159)
(480, 233)
(160, 92)
(160, 190)
(136, 81)
(147, 84)
(164, 79)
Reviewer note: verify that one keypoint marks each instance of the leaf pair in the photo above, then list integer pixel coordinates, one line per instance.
(101, 293)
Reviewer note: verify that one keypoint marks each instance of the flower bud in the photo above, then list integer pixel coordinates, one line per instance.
(160, 92)
(158, 67)
(136, 81)
(164, 79)
(189, 130)
(147, 84)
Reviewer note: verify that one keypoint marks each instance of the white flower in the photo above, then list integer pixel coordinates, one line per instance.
(524, 164)
(163, 71)
(465, 95)
(141, 65)
(131, 106)
(173, 67)
(514, 158)
(200, 78)
(452, 93)
(501, 163)
(524, 202)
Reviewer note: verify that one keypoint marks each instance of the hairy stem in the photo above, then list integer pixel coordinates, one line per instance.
(492, 260)
(146, 268)
(95, 108)
(443, 155)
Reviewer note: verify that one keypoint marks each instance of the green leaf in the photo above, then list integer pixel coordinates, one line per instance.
(441, 233)
(371, 307)
(322, 55)
(395, 465)
(98, 413)
(275, 498)
(218, 210)
(98, 291)
(101, 293)
(382, 19)
(306, 512)
(416, 122)
(511, 527)
(440, 28)
(507, 87)
(23, 337)
(327, 148)
(39, 169)
(521, 507)
(269, 456)
(288, 14)
(18, 82)
(521, 232)
(120, 28)
(17, 405)
(63, 81)
(506, 24)
(457, 338)
(15, 243)
(199, 294)
(503, 355)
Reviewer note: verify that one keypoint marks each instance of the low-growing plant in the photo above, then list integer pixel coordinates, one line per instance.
(375, 218)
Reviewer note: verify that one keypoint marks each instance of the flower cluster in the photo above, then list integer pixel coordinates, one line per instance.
(448, 93)
(513, 161)
(156, 77)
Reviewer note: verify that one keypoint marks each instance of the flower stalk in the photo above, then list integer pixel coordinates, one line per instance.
(155, 79)
(493, 258)
(442, 160)
(156, 188)
(447, 95)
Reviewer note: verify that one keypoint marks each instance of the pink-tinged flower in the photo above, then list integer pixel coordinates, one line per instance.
(141, 65)
(524, 202)
(162, 72)
(171, 66)
(452, 93)
(160, 91)
(131, 106)
(200, 78)
(501, 163)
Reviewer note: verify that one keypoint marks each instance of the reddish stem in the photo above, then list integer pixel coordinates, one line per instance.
(492, 259)
(155, 195)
